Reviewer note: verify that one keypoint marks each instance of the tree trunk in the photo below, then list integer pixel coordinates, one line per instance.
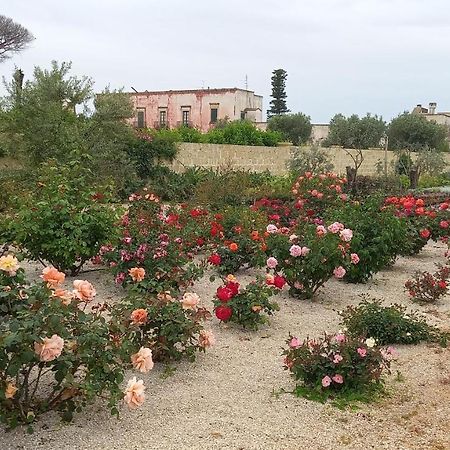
(351, 178)
(413, 178)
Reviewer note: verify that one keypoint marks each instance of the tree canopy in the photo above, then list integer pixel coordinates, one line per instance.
(295, 128)
(13, 37)
(278, 103)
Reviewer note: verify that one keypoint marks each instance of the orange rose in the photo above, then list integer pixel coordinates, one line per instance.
(11, 390)
(50, 348)
(233, 247)
(255, 235)
(137, 273)
(53, 277)
(139, 316)
(142, 360)
(134, 393)
(263, 247)
(256, 308)
(84, 290)
(65, 296)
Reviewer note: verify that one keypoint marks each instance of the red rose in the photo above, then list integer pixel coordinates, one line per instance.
(443, 284)
(200, 242)
(420, 211)
(443, 224)
(425, 234)
(223, 312)
(215, 259)
(279, 281)
(224, 294)
(420, 202)
(233, 287)
(443, 206)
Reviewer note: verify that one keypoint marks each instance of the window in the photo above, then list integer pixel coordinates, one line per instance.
(162, 118)
(141, 118)
(185, 117)
(243, 115)
(214, 111)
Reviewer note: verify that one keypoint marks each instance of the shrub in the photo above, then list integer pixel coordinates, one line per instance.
(336, 366)
(56, 354)
(64, 220)
(247, 307)
(388, 324)
(295, 128)
(172, 328)
(312, 257)
(313, 159)
(429, 287)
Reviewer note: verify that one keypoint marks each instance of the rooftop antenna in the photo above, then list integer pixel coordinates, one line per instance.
(246, 82)
(134, 90)
(203, 84)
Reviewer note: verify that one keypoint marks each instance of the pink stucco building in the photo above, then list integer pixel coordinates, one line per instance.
(200, 108)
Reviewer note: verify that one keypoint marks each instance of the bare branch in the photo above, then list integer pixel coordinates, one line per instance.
(13, 37)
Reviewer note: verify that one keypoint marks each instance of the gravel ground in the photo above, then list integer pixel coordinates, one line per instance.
(225, 400)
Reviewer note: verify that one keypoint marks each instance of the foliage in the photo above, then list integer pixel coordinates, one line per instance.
(247, 307)
(295, 128)
(429, 287)
(278, 102)
(388, 324)
(13, 37)
(312, 159)
(242, 132)
(355, 132)
(336, 366)
(414, 132)
(64, 220)
(377, 185)
(311, 256)
(171, 328)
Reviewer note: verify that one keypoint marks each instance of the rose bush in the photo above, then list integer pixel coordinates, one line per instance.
(429, 287)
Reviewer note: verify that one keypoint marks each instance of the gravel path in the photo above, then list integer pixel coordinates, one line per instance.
(225, 400)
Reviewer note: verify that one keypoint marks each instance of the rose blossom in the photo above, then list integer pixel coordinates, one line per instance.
(9, 264)
(50, 348)
(206, 339)
(272, 262)
(293, 237)
(346, 234)
(339, 272)
(295, 250)
(84, 290)
(339, 379)
(298, 285)
(65, 296)
(139, 316)
(294, 342)
(370, 342)
(142, 360)
(355, 258)
(326, 381)
(361, 352)
(269, 279)
(321, 230)
(335, 227)
(137, 273)
(134, 393)
(52, 276)
(120, 277)
(337, 358)
(190, 300)
(271, 228)
(10, 390)
(305, 251)
(340, 337)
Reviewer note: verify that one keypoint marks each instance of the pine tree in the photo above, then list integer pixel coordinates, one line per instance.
(278, 102)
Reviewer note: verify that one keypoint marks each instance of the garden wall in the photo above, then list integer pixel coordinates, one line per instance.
(274, 159)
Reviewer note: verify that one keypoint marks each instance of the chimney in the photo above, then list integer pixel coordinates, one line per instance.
(432, 108)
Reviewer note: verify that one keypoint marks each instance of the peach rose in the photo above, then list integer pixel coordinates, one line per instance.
(9, 264)
(52, 276)
(139, 316)
(50, 348)
(11, 390)
(190, 300)
(165, 296)
(142, 360)
(137, 273)
(206, 339)
(84, 290)
(134, 393)
(65, 296)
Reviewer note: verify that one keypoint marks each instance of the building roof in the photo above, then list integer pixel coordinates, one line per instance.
(195, 91)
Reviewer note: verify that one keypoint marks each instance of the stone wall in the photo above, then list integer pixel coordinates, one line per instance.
(274, 159)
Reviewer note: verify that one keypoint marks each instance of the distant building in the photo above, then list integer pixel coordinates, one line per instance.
(199, 108)
(430, 113)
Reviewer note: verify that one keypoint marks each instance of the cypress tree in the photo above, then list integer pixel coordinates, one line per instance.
(278, 102)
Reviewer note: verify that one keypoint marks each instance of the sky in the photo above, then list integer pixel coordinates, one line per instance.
(342, 56)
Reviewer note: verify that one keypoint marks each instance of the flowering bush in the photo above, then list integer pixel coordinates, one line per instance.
(151, 240)
(247, 307)
(336, 366)
(312, 257)
(54, 353)
(388, 324)
(316, 193)
(172, 328)
(429, 287)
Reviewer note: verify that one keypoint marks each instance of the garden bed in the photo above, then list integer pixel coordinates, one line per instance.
(227, 398)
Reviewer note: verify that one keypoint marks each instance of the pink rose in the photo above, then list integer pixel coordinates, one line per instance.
(326, 381)
(190, 300)
(339, 337)
(335, 227)
(134, 393)
(50, 348)
(298, 285)
(343, 197)
(295, 250)
(339, 272)
(346, 235)
(271, 228)
(206, 339)
(355, 258)
(84, 290)
(142, 360)
(339, 379)
(337, 358)
(295, 342)
(305, 251)
(361, 352)
(272, 262)
(321, 230)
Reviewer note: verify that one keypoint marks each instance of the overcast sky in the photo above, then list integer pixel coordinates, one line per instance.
(348, 56)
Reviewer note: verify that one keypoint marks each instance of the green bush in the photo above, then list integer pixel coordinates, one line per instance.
(389, 324)
(295, 128)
